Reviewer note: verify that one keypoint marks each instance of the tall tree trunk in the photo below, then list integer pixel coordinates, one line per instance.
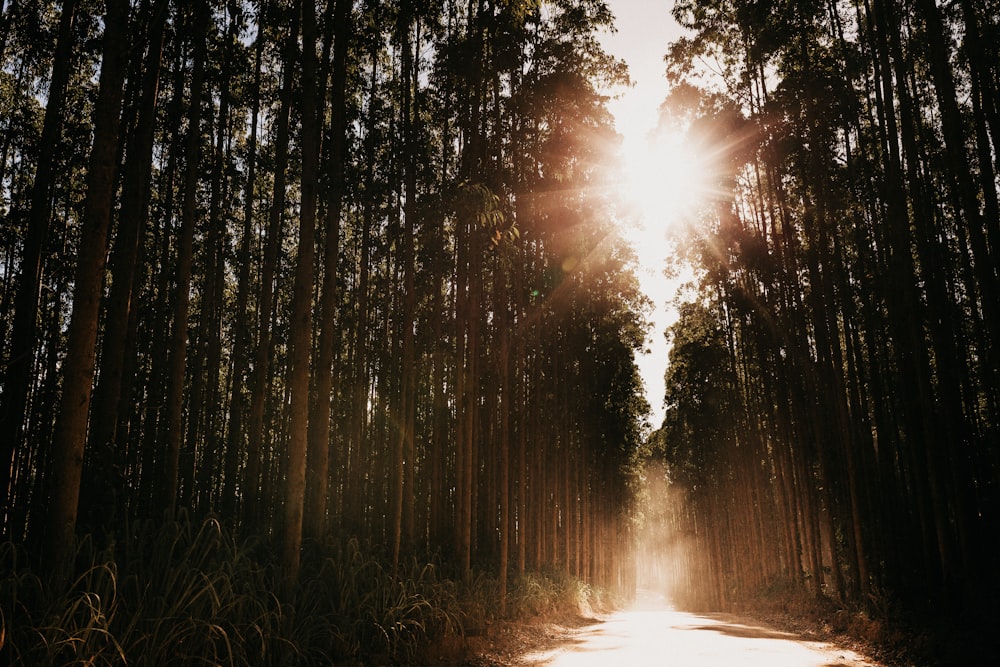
(504, 435)
(255, 472)
(319, 421)
(21, 355)
(152, 456)
(236, 439)
(209, 451)
(301, 320)
(185, 250)
(100, 500)
(404, 435)
(70, 433)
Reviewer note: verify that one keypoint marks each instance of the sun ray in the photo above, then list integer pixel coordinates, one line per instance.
(664, 177)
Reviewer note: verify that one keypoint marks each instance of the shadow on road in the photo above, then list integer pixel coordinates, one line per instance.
(734, 629)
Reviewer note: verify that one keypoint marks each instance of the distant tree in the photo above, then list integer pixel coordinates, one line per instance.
(21, 350)
(170, 488)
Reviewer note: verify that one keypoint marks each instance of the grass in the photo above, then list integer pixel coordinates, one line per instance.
(883, 628)
(191, 593)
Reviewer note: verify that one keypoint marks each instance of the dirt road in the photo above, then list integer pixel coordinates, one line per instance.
(650, 633)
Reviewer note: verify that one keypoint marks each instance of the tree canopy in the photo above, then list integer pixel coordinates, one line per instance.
(344, 267)
(832, 394)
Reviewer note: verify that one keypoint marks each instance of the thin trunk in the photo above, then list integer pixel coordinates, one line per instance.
(17, 376)
(506, 398)
(182, 287)
(208, 452)
(300, 340)
(236, 438)
(319, 422)
(151, 457)
(254, 482)
(70, 434)
(100, 501)
(404, 436)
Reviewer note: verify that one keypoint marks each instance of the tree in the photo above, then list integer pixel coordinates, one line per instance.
(104, 477)
(841, 259)
(21, 354)
(301, 320)
(71, 425)
(169, 492)
(398, 385)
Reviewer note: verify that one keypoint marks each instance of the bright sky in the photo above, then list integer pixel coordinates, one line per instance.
(645, 27)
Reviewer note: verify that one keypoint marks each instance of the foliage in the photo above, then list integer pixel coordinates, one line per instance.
(365, 244)
(833, 409)
(352, 287)
(184, 592)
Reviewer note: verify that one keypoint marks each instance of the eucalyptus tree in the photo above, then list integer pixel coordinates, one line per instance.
(19, 352)
(70, 432)
(39, 236)
(338, 31)
(848, 248)
(363, 253)
(259, 433)
(237, 436)
(301, 316)
(198, 18)
(103, 464)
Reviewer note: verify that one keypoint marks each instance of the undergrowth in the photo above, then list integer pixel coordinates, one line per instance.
(188, 593)
(881, 628)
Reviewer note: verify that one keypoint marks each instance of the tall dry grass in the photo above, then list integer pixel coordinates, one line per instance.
(192, 593)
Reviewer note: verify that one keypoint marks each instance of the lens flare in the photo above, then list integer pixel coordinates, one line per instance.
(664, 178)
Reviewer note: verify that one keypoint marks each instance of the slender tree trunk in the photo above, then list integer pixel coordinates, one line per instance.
(301, 320)
(100, 501)
(209, 452)
(236, 440)
(185, 250)
(254, 507)
(70, 433)
(152, 456)
(21, 355)
(319, 422)
(404, 436)
(506, 400)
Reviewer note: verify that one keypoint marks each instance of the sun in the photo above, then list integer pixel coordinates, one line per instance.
(663, 182)
(663, 178)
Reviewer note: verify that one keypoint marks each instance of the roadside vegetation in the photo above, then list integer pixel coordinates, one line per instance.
(276, 274)
(830, 432)
(186, 592)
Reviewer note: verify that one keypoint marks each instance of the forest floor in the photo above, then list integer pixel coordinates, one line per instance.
(511, 643)
(650, 632)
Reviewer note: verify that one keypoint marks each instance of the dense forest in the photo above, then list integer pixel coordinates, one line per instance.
(299, 298)
(318, 330)
(832, 395)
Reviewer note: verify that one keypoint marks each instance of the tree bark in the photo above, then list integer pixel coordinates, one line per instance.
(254, 479)
(319, 422)
(182, 287)
(100, 500)
(70, 434)
(236, 439)
(21, 355)
(301, 320)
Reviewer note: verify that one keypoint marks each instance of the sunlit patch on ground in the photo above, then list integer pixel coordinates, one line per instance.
(651, 633)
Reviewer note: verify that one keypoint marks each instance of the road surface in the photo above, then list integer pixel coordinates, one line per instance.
(650, 633)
